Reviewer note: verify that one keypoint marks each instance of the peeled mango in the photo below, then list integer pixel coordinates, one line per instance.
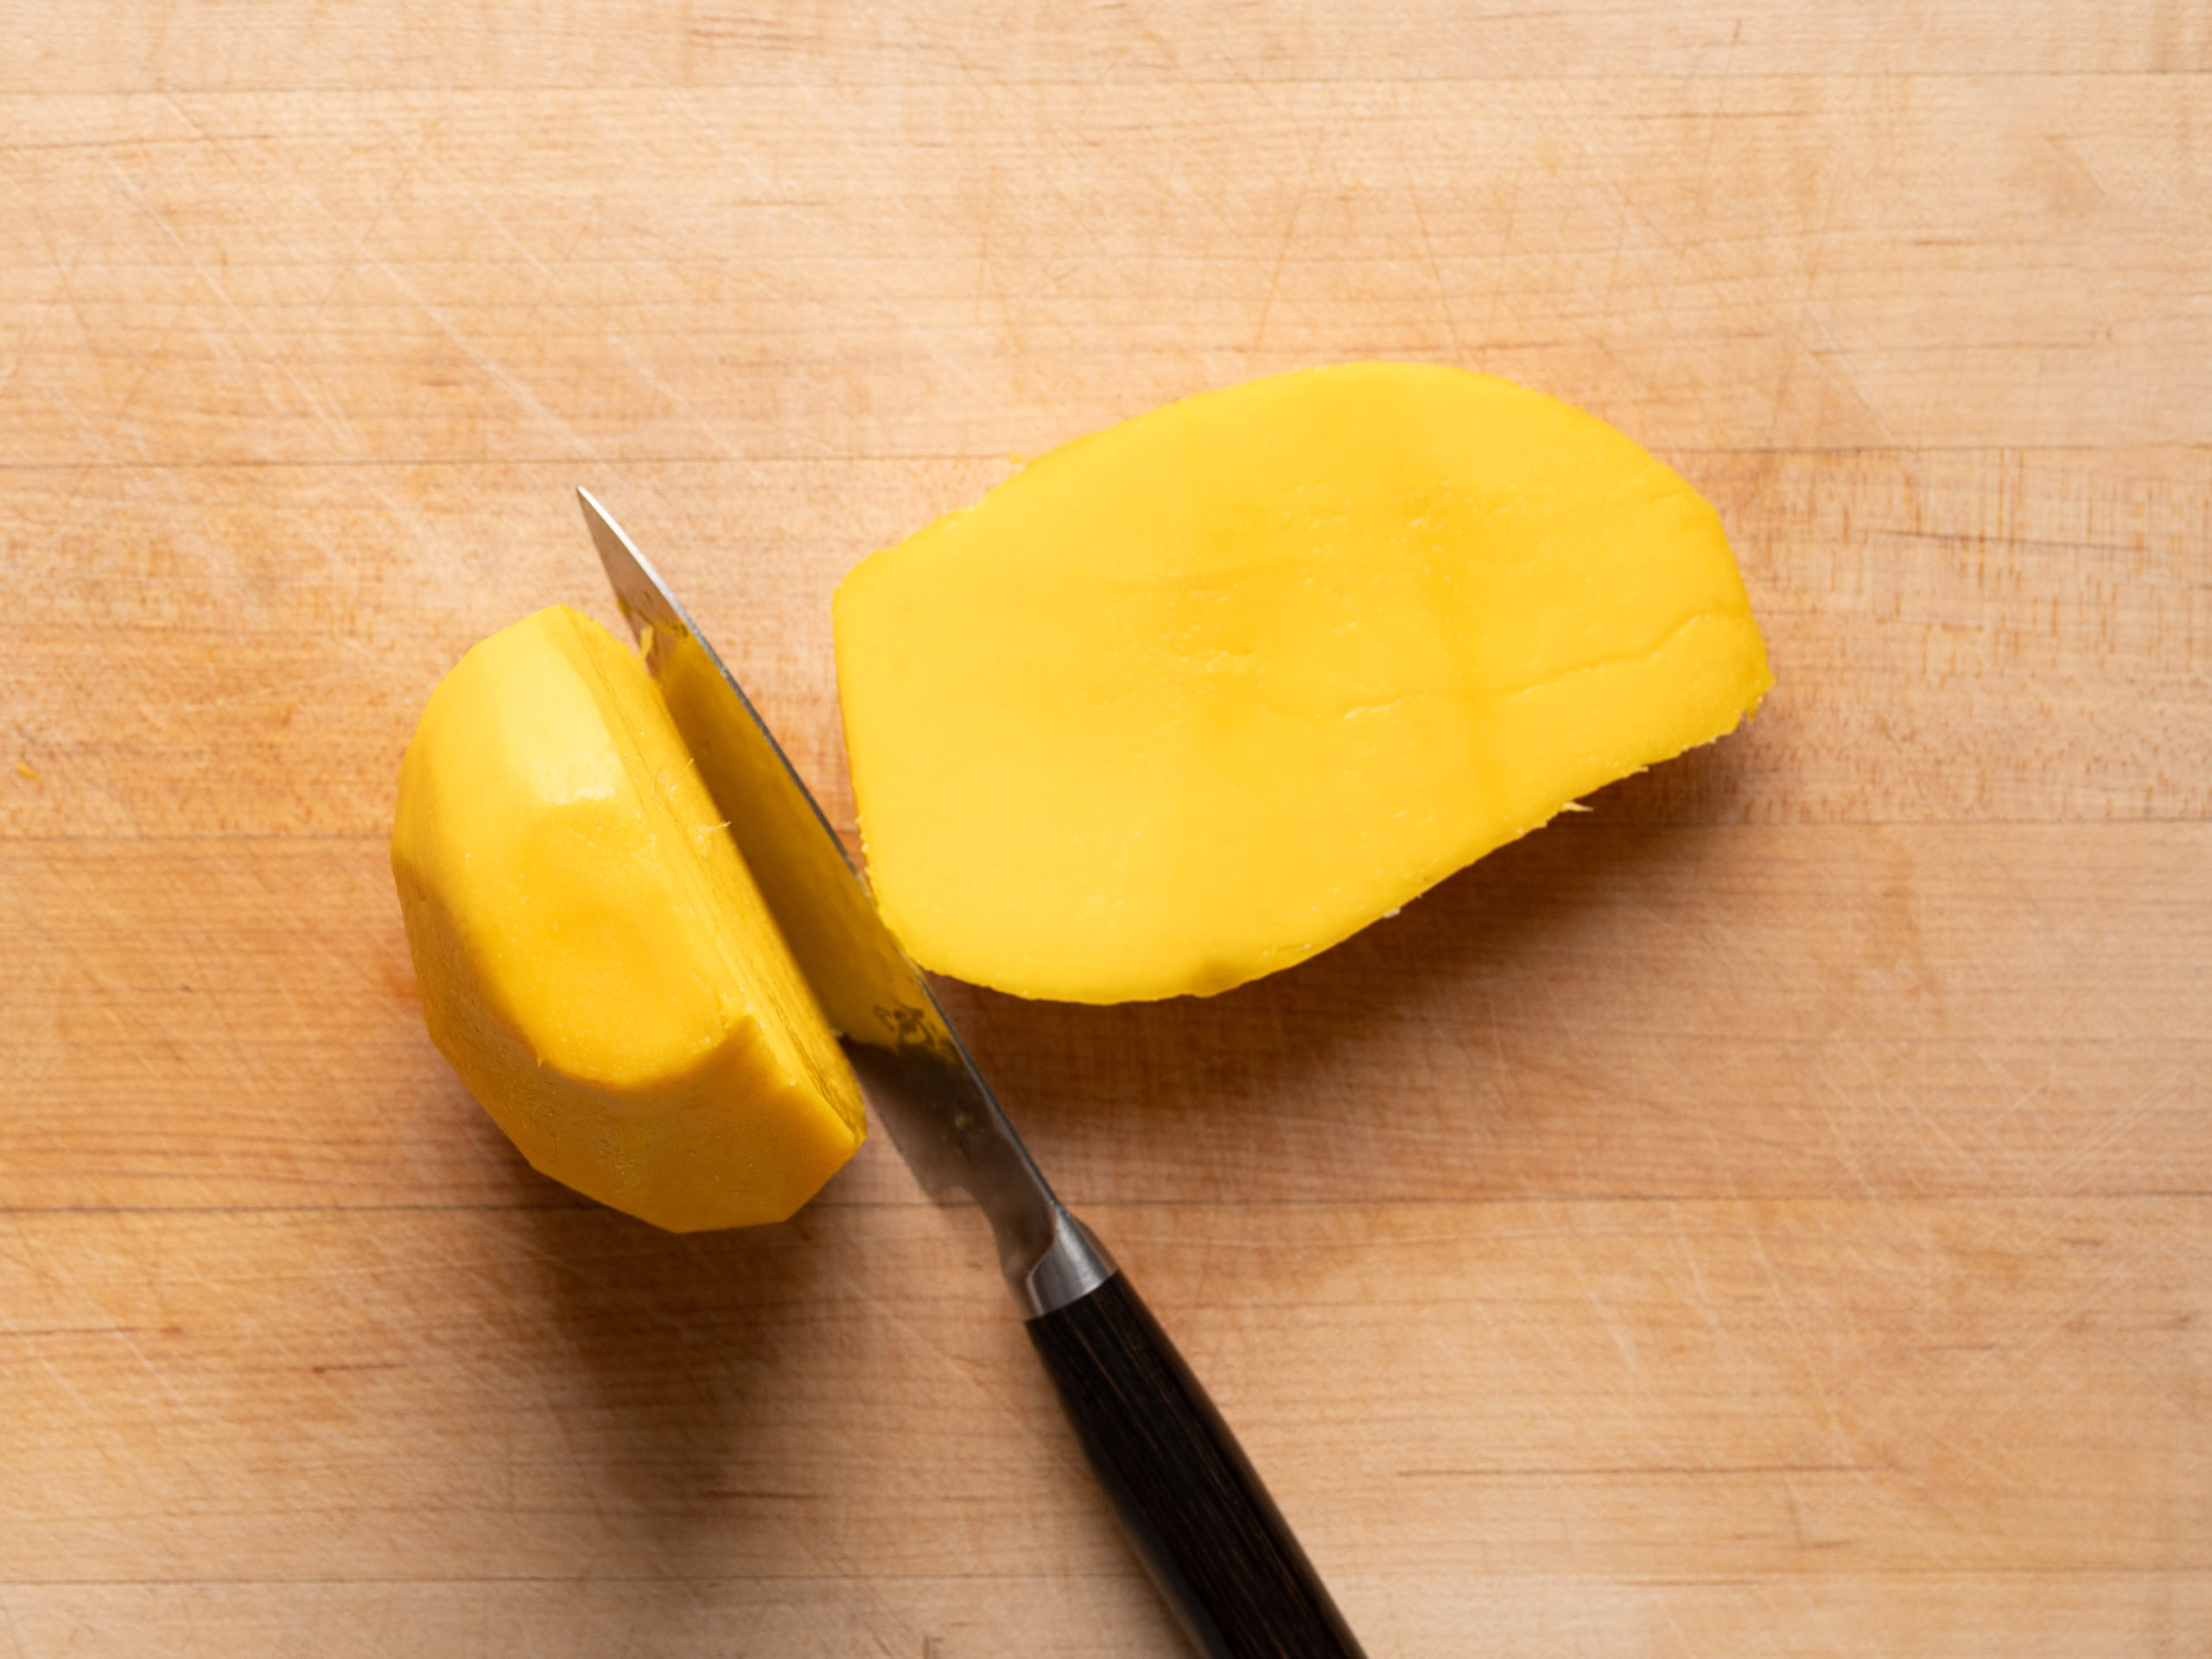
(593, 957)
(1190, 699)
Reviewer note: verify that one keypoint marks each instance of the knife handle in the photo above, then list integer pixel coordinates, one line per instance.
(1204, 1525)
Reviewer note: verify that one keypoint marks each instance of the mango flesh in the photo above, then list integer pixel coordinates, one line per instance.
(593, 957)
(1189, 700)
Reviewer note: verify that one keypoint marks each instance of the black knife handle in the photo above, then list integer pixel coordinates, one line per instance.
(1205, 1528)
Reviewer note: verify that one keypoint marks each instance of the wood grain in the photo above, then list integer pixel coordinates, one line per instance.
(595, 275)
(1638, 1387)
(1763, 1216)
(108, 46)
(1603, 1010)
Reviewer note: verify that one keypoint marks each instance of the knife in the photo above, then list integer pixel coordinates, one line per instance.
(1201, 1520)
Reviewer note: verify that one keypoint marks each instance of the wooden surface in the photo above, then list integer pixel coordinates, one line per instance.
(1770, 1215)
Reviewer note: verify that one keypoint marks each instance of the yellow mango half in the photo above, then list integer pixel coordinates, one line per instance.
(593, 957)
(1187, 701)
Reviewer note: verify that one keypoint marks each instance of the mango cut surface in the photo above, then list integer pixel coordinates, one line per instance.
(595, 959)
(1189, 700)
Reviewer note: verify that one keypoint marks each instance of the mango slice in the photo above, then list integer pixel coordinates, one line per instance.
(1189, 700)
(593, 957)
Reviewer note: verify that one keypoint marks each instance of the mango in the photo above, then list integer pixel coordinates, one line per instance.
(593, 958)
(1189, 700)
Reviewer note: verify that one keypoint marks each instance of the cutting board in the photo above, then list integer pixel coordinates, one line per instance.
(1766, 1214)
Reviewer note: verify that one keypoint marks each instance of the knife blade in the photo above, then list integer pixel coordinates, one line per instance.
(914, 1070)
(1202, 1521)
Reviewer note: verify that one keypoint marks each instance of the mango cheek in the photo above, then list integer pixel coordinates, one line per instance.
(1196, 697)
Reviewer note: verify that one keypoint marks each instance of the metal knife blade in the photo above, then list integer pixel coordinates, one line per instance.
(912, 1066)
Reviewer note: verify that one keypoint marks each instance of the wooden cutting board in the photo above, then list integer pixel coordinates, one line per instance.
(1770, 1214)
